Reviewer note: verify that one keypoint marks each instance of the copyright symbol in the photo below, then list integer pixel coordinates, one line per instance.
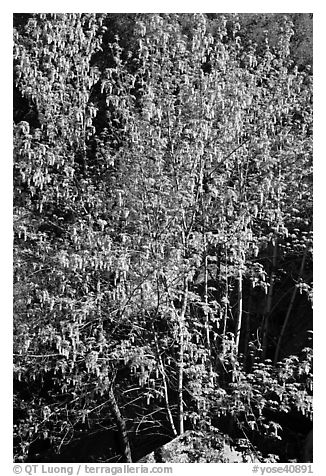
(17, 469)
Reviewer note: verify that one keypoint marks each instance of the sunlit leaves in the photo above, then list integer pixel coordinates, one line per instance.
(131, 229)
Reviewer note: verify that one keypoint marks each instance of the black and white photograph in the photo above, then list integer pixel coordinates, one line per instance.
(162, 238)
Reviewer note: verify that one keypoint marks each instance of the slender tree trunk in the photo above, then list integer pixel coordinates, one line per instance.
(288, 313)
(226, 294)
(206, 301)
(247, 331)
(165, 386)
(121, 427)
(239, 316)
(180, 385)
(269, 302)
(181, 319)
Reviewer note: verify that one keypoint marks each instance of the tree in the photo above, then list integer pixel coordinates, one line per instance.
(149, 195)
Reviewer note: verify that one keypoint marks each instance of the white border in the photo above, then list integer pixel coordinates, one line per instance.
(126, 6)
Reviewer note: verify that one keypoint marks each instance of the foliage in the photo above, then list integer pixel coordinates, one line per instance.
(150, 188)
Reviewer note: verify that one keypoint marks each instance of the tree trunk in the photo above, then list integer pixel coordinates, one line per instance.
(239, 316)
(206, 301)
(180, 386)
(226, 297)
(269, 302)
(165, 386)
(247, 331)
(288, 313)
(121, 427)
(181, 319)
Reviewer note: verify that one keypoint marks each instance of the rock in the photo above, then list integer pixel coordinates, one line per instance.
(198, 447)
